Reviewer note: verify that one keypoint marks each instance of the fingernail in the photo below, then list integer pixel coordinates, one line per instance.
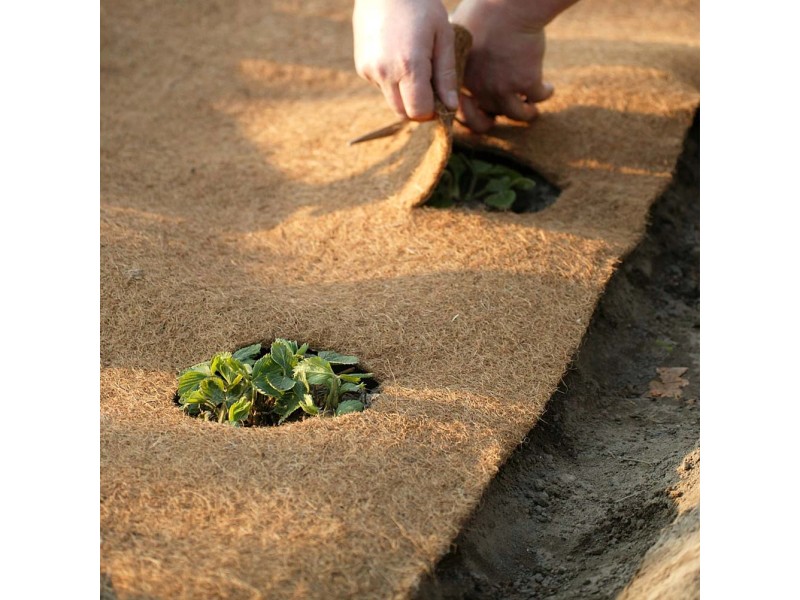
(451, 99)
(549, 87)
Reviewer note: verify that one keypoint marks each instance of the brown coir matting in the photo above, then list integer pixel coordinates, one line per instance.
(233, 211)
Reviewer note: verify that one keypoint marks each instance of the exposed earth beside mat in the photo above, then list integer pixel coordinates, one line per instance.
(609, 472)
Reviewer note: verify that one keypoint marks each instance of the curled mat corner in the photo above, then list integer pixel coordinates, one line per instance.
(430, 143)
(233, 210)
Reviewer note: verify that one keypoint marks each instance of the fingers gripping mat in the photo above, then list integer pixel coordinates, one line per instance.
(233, 211)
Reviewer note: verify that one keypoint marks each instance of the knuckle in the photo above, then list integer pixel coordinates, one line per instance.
(380, 70)
(407, 65)
(376, 69)
(412, 66)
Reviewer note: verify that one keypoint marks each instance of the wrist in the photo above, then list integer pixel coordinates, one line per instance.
(532, 15)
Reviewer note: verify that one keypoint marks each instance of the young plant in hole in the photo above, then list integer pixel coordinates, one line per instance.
(470, 180)
(242, 389)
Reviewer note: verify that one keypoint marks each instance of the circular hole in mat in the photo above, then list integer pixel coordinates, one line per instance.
(281, 381)
(480, 177)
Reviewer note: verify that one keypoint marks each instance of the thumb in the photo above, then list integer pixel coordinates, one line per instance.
(445, 79)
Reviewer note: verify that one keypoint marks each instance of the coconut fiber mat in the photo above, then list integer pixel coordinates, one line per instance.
(234, 211)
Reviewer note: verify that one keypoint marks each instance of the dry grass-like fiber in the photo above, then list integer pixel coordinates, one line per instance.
(233, 210)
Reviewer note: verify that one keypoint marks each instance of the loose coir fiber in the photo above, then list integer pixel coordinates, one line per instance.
(233, 211)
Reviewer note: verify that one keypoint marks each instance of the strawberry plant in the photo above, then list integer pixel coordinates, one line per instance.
(468, 180)
(251, 387)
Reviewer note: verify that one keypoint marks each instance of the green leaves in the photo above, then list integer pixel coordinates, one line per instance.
(219, 389)
(230, 369)
(356, 388)
(502, 200)
(283, 354)
(243, 389)
(285, 406)
(479, 167)
(269, 377)
(314, 371)
(337, 359)
(248, 355)
(239, 411)
(318, 371)
(349, 406)
(467, 180)
(191, 378)
(307, 405)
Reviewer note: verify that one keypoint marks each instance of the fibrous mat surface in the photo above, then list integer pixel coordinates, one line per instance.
(233, 211)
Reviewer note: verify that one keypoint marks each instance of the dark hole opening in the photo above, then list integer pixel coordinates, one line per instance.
(467, 185)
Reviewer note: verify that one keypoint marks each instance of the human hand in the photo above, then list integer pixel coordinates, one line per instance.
(407, 48)
(504, 69)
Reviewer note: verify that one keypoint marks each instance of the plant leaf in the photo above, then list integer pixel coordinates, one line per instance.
(196, 397)
(479, 167)
(499, 170)
(351, 387)
(501, 200)
(190, 380)
(349, 406)
(199, 366)
(262, 385)
(280, 382)
(248, 354)
(213, 389)
(217, 359)
(264, 363)
(523, 183)
(669, 383)
(337, 359)
(282, 353)
(194, 402)
(231, 369)
(239, 410)
(236, 380)
(300, 388)
(263, 370)
(285, 406)
(314, 370)
(457, 166)
(308, 406)
(354, 377)
(500, 184)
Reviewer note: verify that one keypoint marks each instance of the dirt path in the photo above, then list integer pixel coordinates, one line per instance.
(575, 509)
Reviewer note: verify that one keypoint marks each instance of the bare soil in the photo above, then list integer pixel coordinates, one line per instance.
(597, 483)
